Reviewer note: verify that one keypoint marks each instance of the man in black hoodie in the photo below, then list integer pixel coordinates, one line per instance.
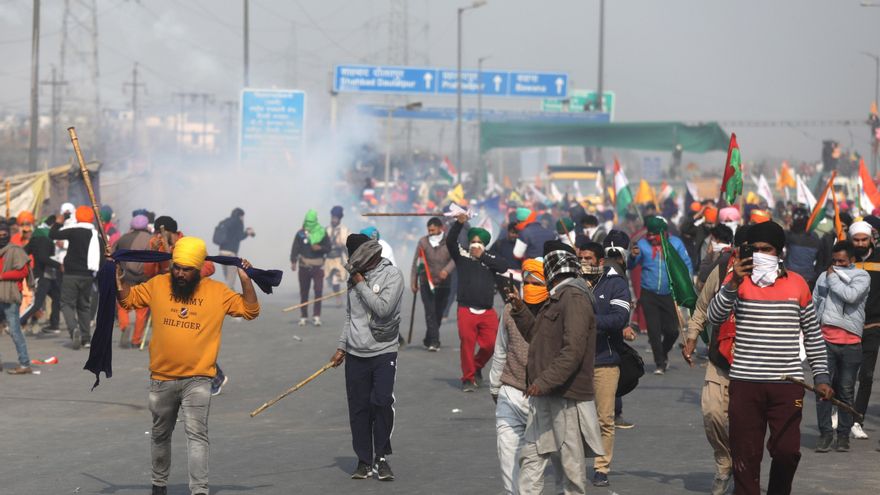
(477, 321)
(46, 273)
(228, 236)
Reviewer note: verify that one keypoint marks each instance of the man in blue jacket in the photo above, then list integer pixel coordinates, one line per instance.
(656, 299)
(611, 295)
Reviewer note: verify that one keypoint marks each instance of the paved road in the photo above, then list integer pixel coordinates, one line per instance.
(58, 437)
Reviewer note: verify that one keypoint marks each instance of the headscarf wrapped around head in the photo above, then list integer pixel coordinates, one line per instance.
(483, 234)
(711, 214)
(760, 216)
(371, 232)
(860, 228)
(564, 226)
(165, 221)
(656, 225)
(524, 217)
(729, 214)
(24, 217)
(85, 214)
(534, 293)
(315, 230)
(67, 208)
(106, 213)
(559, 261)
(337, 212)
(140, 222)
(189, 252)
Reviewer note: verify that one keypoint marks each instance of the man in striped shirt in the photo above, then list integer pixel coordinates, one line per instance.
(772, 308)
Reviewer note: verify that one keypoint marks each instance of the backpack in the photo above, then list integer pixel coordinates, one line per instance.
(220, 234)
(632, 367)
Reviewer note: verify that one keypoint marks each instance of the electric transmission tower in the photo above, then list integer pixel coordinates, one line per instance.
(79, 66)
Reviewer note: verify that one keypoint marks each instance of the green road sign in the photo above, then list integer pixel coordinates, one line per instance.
(580, 100)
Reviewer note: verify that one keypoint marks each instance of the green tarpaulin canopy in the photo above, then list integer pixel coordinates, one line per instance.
(650, 136)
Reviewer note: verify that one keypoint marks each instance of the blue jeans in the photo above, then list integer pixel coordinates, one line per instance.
(11, 312)
(843, 365)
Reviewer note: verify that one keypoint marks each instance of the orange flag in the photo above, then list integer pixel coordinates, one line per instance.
(786, 178)
(838, 225)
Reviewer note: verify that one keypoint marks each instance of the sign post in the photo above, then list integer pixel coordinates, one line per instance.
(272, 126)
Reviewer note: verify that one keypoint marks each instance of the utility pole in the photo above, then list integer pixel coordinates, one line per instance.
(246, 27)
(35, 89)
(178, 122)
(135, 87)
(53, 147)
(600, 97)
(231, 107)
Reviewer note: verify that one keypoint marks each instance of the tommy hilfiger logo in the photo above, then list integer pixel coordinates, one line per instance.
(184, 313)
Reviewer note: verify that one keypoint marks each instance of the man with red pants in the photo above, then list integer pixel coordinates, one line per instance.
(477, 321)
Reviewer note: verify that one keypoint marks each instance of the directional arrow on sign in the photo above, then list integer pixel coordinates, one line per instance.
(497, 80)
(428, 78)
(559, 83)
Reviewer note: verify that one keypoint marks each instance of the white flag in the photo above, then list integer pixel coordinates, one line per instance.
(804, 195)
(554, 191)
(765, 192)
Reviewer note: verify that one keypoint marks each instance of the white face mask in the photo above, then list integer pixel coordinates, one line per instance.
(589, 231)
(766, 269)
(476, 246)
(435, 240)
(717, 247)
(568, 239)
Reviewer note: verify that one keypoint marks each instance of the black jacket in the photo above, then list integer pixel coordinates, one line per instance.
(612, 297)
(78, 238)
(302, 247)
(476, 278)
(42, 249)
(234, 233)
(503, 249)
(872, 305)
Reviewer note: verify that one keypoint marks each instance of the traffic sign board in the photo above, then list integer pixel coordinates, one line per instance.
(580, 100)
(427, 80)
(272, 124)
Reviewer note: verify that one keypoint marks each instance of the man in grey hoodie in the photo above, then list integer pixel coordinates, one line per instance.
(839, 298)
(369, 341)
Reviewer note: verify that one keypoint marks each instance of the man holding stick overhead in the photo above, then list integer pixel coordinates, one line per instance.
(188, 314)
(369, 340)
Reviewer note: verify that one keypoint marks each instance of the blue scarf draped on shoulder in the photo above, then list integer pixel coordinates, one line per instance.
(101, 352)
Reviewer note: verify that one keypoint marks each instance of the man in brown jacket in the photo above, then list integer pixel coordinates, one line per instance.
(431, 270)
(559, 375)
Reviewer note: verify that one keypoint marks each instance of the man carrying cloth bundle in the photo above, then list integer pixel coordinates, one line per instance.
(188, 314)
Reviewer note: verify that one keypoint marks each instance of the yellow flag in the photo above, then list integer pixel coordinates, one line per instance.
(456, 195)
(645, 194)
(752, 198)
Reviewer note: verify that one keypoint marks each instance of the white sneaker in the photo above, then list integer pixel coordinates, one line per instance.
(303, 322)
(857, 432)
(834, 419)
(316, 321)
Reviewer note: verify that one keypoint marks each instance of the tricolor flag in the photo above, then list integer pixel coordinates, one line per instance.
(819, 210)
(732, 184)
(666, 191)
(447, 170)
(423, 267)
(869, 197)
(622, 195)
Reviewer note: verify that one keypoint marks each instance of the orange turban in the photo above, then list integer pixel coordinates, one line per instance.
(711, 214)
(85, 214)
(24, 217)
(533, 293)
(760, 216)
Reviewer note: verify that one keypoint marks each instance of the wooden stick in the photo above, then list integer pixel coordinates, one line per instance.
(147, 328)
(292, 389)
(328, 296)
(8, 199)
(88, 181)
(859, 417)
(412, 318)
(409, 214)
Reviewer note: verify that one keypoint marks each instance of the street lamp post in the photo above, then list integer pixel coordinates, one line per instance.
(477, 4)
(409, 106)
(599, 98)
(876, 59)
(480, 113)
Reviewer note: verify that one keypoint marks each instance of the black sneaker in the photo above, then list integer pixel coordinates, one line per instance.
(383, 470)
(77, 340)
(824, 443)
(478, 377)
(621, 423)
(843, 443)
(362, 472)
(159, 490)
(600, 479)
(469, 386)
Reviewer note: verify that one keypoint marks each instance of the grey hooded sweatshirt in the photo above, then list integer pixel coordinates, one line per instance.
(372, 316)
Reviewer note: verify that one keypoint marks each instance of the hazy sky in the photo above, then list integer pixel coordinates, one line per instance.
(666, 60)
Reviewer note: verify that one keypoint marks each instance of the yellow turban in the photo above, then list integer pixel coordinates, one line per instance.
(189, 251)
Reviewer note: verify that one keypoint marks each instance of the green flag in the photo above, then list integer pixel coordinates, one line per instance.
(679, 276)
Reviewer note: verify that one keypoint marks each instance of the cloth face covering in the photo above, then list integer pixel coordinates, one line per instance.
(766, 269)
(435, 240)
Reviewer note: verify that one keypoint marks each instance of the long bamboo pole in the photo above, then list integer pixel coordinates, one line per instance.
(88, 181)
